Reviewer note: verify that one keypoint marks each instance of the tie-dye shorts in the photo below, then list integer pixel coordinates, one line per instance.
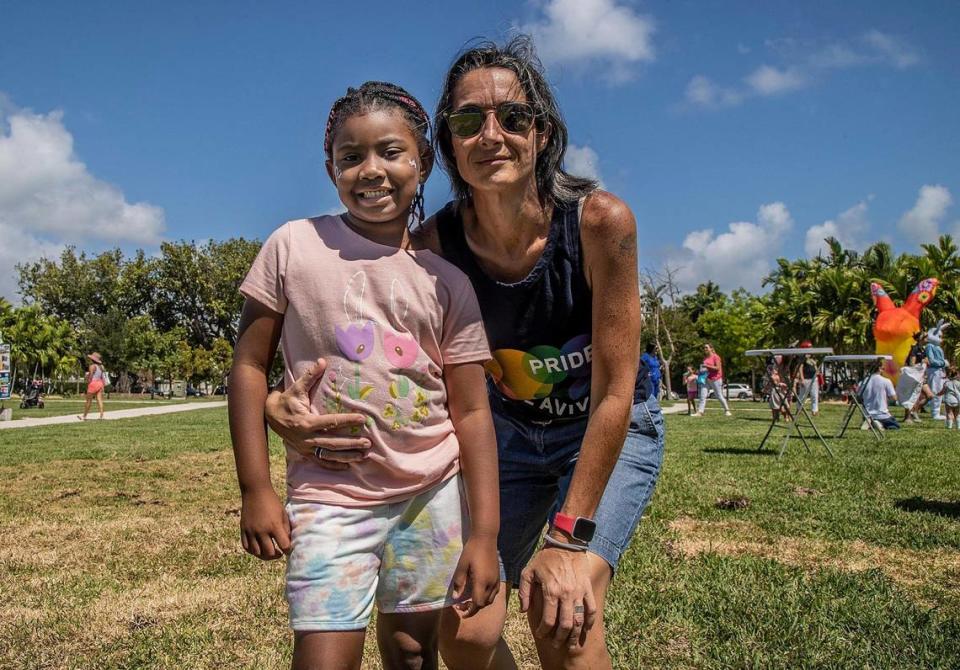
(401, 555)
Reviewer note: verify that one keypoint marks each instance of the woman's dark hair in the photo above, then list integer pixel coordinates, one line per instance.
(376, 95)
(518, 55)
(650, 348)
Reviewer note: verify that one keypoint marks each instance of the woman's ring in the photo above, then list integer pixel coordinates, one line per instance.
(578, 609)
(318, 452)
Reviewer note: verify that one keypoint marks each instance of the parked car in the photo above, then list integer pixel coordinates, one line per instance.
(194, 392)
(739, 391)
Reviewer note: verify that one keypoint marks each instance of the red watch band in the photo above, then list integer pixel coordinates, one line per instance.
(564, 522)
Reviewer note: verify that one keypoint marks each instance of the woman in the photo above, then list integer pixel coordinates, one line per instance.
(553, 261)
(95, 384)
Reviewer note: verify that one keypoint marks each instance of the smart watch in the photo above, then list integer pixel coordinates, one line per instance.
(578, 527)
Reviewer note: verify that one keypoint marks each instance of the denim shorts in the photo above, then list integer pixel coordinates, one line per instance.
(536, 466)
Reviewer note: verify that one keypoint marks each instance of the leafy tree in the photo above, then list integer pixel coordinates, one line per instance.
(734, 327)
(197, 285)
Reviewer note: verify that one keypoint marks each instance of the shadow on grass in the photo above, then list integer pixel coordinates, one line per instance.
(938, 507)
(740, 451)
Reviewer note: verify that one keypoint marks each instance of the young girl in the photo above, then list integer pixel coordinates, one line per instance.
(377, 515)
(951, 397)
(690, 379)
(777, 390)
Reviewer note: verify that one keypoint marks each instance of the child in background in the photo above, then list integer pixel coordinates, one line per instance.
(951, 397)
(690, 380)
(702, 390)
(399, 331)
(777, 389)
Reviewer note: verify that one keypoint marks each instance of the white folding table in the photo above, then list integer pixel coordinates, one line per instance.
(792, 358)
(856, 403)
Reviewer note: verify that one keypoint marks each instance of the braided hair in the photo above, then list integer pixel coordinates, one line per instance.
(377, 95)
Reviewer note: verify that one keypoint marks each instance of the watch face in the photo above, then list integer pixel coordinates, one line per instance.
(584, 529)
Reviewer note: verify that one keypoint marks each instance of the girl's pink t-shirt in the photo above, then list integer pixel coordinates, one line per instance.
(386, 320)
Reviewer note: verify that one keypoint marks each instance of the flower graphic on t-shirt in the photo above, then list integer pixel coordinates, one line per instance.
(356, 343)
(356, 340)
(401, 350)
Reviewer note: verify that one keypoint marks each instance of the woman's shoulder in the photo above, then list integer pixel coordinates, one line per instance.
(601, 208)
(608, 231)
(426, 236)
(429, 234)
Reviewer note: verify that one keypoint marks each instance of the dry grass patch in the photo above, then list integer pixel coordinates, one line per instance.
(913, 569)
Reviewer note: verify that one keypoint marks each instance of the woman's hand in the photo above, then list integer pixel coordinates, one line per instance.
(569, 606)
(290, 415)
(478, 567)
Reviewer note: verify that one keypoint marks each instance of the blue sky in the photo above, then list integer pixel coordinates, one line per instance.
(736, 131)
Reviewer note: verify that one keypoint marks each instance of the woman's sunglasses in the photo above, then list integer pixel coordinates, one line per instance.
(514, 117)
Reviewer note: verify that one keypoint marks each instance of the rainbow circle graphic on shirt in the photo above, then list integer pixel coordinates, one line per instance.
(532, 374)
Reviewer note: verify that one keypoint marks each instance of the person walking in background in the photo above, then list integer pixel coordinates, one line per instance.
(690, 381)
(809, 385)
(951, 397)
(936, 367)
(653, 362)
(96, 381)
(714, 365)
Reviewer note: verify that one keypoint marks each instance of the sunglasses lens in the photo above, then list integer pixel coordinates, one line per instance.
(465, 123)
(515, 117)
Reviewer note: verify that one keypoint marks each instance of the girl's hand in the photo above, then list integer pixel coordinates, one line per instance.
(478, 567)
(264, 525)
(290, 415)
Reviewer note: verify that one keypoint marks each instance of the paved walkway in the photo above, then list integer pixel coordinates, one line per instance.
(111, 415)
(165, 409)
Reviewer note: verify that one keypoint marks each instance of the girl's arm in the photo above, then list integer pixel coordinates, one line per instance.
(470, 413)
(264, 526)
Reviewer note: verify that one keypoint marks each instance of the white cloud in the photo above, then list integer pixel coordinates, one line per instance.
(580, 31)
(49, 198)
(739, 257)
(583, 162)
(846, 228)
(767, 80)
(704, 93)
(922, 222)
(804, 63)
(890, 49)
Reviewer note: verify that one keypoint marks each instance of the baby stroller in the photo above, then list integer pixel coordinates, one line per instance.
(34, 395)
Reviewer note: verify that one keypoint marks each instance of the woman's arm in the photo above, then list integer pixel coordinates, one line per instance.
(470, 413)
(264, 527)
(609, 239)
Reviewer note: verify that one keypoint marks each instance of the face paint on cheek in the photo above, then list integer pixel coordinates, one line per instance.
(337, 172)
(412, 163)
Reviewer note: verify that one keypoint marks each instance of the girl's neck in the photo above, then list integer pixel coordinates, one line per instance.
(512, 220)
(388, 233)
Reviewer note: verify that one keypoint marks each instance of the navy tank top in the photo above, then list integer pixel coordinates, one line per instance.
(540, 327)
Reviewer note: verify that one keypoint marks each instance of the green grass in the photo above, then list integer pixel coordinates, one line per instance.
(120, 551)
